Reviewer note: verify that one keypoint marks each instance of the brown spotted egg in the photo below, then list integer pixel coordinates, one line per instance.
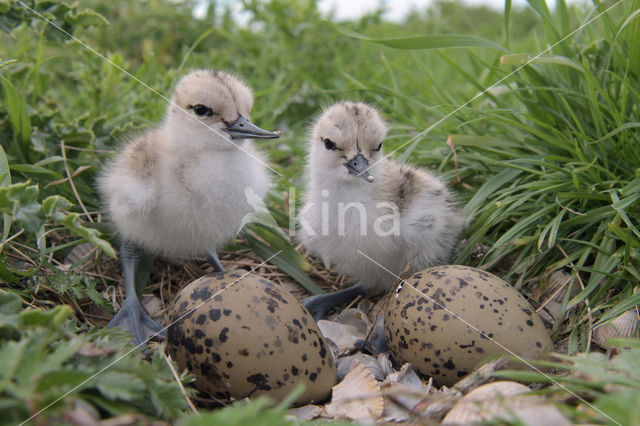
(241, 335)
(446, 319)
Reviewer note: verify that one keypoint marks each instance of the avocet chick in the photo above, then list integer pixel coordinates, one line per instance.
(178, 189)
(358, 201)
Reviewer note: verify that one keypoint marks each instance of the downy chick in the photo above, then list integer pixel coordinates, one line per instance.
(356, 199)
(178, 189)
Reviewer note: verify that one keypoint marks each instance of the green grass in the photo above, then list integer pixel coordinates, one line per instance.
(547, 158)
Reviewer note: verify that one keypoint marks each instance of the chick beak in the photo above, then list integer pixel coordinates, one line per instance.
(244, 129)
(359, 166)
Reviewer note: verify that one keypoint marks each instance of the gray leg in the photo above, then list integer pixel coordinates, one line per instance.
(131, 316)
(319, 305)
(214, 260)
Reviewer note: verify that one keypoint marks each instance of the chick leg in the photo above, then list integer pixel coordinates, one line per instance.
(214, 260)
(319, 305)
(131, 316)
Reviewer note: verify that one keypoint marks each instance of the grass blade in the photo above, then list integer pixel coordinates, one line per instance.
(439, 41)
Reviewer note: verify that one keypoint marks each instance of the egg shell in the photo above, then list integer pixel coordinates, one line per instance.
(241, 335)
(427, 322)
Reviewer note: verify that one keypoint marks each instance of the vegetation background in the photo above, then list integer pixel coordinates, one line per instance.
(542, 150)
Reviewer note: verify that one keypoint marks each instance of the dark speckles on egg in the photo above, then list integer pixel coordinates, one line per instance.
(214, 314)
(467, 296)
(223, 334)
(226, 343)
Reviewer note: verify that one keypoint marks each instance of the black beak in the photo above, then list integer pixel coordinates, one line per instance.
(244, 129)
(358, 166)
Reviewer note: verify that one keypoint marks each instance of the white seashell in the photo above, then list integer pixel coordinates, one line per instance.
(625, 325)
(356, 318)
(153, 305)
(407, 376)
(347, 363)
(343, 335)
(385, 363)
(78, 252)
(357, 397)
(503, 400)
(307, 412)
(407, 390)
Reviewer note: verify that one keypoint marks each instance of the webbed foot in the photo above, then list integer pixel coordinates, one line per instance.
(319, 305)
(135, 320)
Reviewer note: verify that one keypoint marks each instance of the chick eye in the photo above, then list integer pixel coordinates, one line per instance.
(329, 144)
(379, 147)
(202, 110)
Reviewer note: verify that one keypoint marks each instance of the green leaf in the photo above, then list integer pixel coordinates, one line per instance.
(119, 385)
(528, 59)
(20, 201)
(489, 187)
(73, 223)
(278, 240)
(5, 173)
(36, 170)
(39, 317)
(14, 104)
(10, 303)
(5, 180)
(440, 41)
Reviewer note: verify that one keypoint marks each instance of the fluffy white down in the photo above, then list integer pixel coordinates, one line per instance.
(193, 203)
(428, 221)
(179, 190)
(428, 230)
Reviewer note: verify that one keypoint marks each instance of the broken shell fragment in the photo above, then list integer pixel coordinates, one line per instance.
(625, 325)
(505, 401)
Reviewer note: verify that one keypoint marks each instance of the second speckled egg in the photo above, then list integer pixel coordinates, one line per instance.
(241, 335)
(446, 319)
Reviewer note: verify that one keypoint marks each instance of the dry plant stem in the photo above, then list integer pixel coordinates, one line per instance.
(568, 209)
(353, 302)
(63, 180)
(481, 376)
(21, 256)
(179, 382)
(17, 234)
(73, 186)
(95, 316)
(455, 157)
(99, 151)
(162, 283)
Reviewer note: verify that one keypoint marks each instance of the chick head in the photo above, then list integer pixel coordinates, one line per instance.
(213, 105)
(346, 141)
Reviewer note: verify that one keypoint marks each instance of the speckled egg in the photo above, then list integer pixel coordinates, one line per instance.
(241, 335)
(446, 319)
